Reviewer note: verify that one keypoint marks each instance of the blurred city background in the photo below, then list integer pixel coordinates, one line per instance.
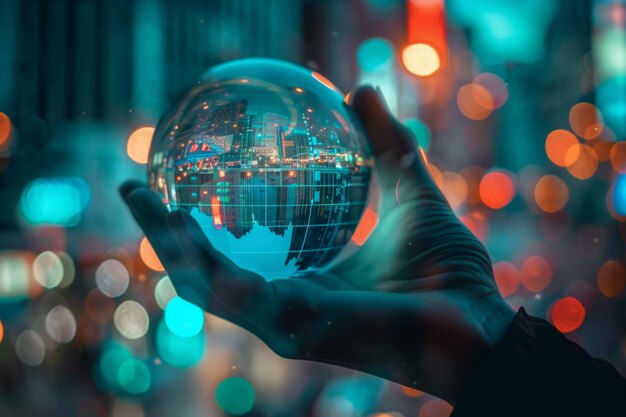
(520, 107)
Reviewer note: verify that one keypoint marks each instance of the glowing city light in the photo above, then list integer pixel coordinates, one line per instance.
(611, 278)
(586, 121)
(112, 278)
(421, 59)
(6, 130)
(568, 314)
(48, 269)
(149, 256)
(507, 278)
(558, 143)
(551, 193)
(183, 318)
(138, 144)
(30, 348)
(497, 189)
(235, 396)
(60, 324)
(131, 319)
(536, 273)
(164, 292)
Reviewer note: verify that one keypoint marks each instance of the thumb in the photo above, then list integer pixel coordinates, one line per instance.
(399, 161)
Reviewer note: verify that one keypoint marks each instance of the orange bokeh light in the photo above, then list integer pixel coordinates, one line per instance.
(421, 59)
(586, 121)
(611, 278)
(551, 193)
(499, 94)
(1, 331)
(454, 188)
(617, 155)
(568, 314)
(149, 256)
(138, 145)
(536, 273)
(496, 189)
(5, 129)
(558, 143)
(507, 278)
(365, 227)
(581, 161)
(470, 106)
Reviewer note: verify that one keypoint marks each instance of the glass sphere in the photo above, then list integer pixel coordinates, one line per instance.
(266, 156)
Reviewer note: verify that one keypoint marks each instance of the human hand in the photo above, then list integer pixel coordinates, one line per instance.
(416, 304)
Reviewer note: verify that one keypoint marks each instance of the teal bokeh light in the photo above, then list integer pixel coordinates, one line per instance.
(183, 318)
(113, 357)
(374, 53)
(57, 201)
(177, 351)
(505, 31)
(235, 396)
(134, 376)
(619, 195)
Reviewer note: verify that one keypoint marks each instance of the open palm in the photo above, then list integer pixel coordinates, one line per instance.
(416, 304)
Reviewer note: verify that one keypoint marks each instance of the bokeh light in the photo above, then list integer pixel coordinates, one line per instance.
(558, 143)
(134, 376)
(568, 314)
(14, 275)
(507, 278)
(112, 278)
(183, 318)
(581, 161)
(454, 188)
(499, 93)
(475, 101)
(235, 396)
(131, 319)
(138, 144)
(61, 324)
(551, 193)
(164, 291)
(497, 189)
(618, 200)
(586, 121)
(611, 278)
(6, 130)
(617, 156)
(48, 269)
(421, 59)
(149, 256)
(536, 273)
(55, 201)
(180, 352)
(1, 331)
(30, 348)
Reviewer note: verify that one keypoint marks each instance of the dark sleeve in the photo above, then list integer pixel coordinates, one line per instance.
(535, 371)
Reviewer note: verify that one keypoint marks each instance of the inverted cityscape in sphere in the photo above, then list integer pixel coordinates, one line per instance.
(266, 157)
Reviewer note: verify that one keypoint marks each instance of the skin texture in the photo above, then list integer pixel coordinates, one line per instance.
(416, 304)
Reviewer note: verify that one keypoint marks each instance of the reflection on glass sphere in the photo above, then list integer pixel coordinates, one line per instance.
(266, 157)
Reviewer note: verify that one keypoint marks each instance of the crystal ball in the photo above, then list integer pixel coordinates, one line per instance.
(269, 160)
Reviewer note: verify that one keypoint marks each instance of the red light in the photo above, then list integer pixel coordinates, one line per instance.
(427, 48)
